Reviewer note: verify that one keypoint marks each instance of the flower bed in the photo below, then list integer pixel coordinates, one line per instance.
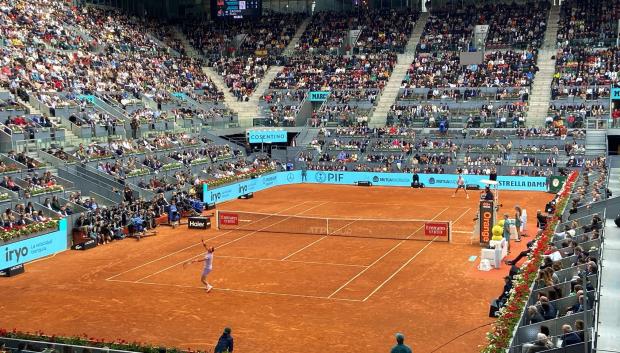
(46, 190)
(213, 183)
(87, 341)
(5, 196)
(171, 166)
(139, 172)
(7, 234)
(500, 336)
(200, 161)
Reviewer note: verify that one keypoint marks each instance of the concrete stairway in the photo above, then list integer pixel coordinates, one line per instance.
(219, 83)
(596, 142)
(541, 87)
(264, 83)
(189, 49)
(403, 62)
(290, 48)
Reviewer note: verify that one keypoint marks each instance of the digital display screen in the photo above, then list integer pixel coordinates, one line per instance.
(223, 9)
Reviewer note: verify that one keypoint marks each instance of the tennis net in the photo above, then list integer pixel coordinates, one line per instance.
(397, 229)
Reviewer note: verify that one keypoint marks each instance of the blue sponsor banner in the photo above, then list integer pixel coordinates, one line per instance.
(34, 248)
(318, 96)
(615, 94)
(233, 191)
(87, 97)
(267, 136)
(179, 95)
(429, 180)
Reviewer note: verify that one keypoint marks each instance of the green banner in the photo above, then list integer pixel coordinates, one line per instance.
(556, 182)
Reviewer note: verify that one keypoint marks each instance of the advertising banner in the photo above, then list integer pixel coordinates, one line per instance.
(318, 96)
(437, 229)
(233, 191)
(227, 218)
(20, 252)
(615, 94)
(486, 221)
(267, 136)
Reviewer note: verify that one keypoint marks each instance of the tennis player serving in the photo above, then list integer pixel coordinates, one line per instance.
(208, 267)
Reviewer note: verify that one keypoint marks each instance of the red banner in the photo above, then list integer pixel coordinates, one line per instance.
(437, 229)
(229, 219)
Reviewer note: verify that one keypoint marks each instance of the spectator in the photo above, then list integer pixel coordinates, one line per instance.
(225, 342)
(400, 346)
(569, 336)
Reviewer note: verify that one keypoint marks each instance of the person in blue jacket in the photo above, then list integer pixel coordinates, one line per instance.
(225, 343)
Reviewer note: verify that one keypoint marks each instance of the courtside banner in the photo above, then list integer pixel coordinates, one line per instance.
(227, 218)
(429, 180)
(486, 221)
(437, 229)
(233, 191)
(267, 136)
(24, 251)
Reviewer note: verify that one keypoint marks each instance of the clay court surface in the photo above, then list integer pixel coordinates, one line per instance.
(279, 292)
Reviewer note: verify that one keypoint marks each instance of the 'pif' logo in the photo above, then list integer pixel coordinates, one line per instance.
(320, 177)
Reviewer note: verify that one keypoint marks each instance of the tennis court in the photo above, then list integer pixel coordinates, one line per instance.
(300, 269)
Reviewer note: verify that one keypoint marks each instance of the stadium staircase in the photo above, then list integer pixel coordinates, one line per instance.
(290, 48)
(541, 87)
(596, 142)
(403, 62)
(70, 138)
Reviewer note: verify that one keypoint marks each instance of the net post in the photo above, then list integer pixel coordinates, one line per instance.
(217, 219)
(449, 232)
(326, 226)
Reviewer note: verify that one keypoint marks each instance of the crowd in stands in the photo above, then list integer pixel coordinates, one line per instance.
(576, 66)
(586, 23)
(113, 52)
(499, 69)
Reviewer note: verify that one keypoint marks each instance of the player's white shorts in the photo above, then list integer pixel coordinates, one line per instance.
(206, 271)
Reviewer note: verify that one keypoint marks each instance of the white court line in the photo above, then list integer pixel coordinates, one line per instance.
(191, 246)
(316, 241)
(399, 269)
(408, 205)
(437, 215)
(230, 242)
(295, 261)
(384, 255)
(374, 262)
(461, 216)
(239, 291)
(461, 232)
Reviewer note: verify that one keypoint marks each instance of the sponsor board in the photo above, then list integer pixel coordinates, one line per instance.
(233, 191)
(227, 218)
(198, 223)
(486, 221)
(437, 229)
(267, 136)
(20, 252)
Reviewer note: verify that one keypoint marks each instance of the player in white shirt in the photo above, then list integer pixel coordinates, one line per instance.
(208, 266)
(460, 184)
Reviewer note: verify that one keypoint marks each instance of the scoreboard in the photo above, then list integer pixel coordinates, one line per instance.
(226, 9)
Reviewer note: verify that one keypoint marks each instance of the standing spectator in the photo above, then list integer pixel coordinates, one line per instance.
(225, 343)
(507, 230)
(400, 346)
